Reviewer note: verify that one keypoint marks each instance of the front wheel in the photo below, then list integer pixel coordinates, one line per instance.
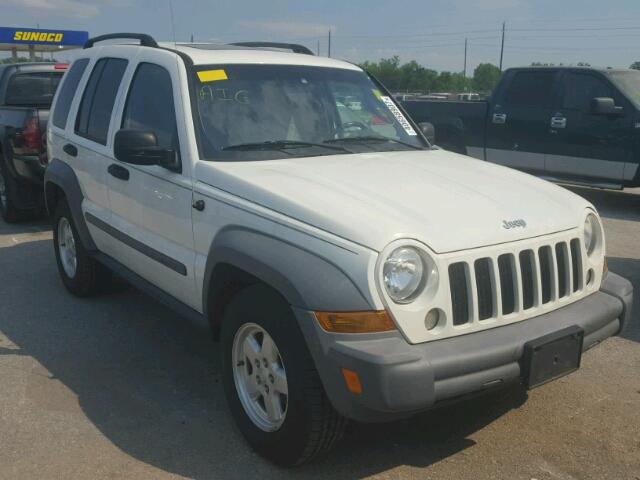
(272, 387)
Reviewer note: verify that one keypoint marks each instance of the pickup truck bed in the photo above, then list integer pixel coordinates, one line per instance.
(457, 124)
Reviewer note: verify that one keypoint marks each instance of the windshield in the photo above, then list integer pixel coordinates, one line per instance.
(259, 112)
(629, 84)
(33, 88)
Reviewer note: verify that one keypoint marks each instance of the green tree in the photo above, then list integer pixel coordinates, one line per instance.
(635, 65)
(413, 77)
(485, 77)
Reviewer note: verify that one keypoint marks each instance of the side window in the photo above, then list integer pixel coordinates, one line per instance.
(532, 89)
(580, 89)
(94, 114)
(68, 91)
(150, 106)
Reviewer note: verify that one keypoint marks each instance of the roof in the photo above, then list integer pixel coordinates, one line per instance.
(211, 54)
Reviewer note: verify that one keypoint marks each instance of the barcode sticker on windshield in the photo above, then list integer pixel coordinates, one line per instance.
(399, 116)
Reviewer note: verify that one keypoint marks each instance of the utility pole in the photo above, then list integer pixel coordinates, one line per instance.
(329, 49)
(502, 46)
(465, 58)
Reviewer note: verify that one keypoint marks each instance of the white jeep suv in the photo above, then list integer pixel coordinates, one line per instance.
(349, 268)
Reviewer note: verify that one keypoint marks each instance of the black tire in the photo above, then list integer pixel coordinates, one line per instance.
(10, 213)
(311, 425)
(90, 276)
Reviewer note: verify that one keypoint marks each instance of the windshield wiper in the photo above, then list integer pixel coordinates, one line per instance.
(372, 138)
(282, 145)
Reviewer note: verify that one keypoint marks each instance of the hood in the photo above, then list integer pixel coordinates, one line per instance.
(447, 201)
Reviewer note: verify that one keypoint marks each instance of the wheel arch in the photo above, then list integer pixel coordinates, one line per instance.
(61, 182)
(239, 257)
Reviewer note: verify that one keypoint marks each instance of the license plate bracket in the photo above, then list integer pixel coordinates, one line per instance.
(552, 356)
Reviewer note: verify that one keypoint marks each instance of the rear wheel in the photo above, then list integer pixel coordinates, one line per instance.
(81, 274)
(271, 384)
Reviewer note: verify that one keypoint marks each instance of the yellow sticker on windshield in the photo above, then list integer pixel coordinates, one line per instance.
(377, 93)
(212, 75)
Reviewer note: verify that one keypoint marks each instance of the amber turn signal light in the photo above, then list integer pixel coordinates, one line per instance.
(355, 322)
(352, 381)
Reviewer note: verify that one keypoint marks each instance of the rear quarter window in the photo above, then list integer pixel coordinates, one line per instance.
(67, 92)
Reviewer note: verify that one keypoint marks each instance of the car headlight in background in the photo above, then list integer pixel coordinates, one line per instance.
(592, 234)
(403, 272)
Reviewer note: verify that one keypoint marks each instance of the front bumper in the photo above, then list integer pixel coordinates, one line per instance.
(399, 379)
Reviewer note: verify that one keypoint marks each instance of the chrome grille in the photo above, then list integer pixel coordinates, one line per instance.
(488, 288)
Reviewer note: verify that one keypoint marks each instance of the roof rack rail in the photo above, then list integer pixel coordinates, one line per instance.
(145, 40)
(294, 47)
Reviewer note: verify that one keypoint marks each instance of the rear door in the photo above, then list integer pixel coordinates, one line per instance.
(586, 146)
(87, 145)
(517, 127)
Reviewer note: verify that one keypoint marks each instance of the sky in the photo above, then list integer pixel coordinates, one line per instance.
(432, 32)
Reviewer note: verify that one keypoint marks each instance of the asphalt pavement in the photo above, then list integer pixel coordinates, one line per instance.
(117, 386)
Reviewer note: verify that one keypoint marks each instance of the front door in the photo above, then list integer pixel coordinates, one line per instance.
(588, 146)
(517, 127)
(151, 205)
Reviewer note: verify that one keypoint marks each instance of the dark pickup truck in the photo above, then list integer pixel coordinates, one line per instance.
(576, 125)
(26, 93)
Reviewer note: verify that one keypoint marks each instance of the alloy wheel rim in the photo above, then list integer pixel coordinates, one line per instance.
(67, 247)
(260, 377)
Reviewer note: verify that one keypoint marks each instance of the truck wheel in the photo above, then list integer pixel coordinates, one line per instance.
(270, 381)
(8, 186)
(81, 274)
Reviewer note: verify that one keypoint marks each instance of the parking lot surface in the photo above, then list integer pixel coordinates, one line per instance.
(117, 386)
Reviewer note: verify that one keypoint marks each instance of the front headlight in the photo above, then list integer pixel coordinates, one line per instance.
(592, 234)
(403, 272)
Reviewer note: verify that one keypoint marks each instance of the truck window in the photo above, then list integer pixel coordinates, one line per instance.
(32, 88)
(629, 84)
(581, 88)
(150, 106)
(68, 91)
(94, 115)
(531, 88)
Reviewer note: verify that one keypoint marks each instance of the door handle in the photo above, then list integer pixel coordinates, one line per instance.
(118, 171)
(71, 150)
(499, 118)
(198, 205)
(558, 122)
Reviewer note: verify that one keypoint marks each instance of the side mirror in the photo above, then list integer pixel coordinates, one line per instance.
(605, 106)
(138, 147)
(429, 131)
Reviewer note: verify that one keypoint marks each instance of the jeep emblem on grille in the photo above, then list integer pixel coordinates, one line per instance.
(509, 224)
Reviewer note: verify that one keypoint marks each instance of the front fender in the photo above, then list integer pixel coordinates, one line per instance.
(303, 277)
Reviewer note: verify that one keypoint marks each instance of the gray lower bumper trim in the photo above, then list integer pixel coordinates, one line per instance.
(399, 379)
